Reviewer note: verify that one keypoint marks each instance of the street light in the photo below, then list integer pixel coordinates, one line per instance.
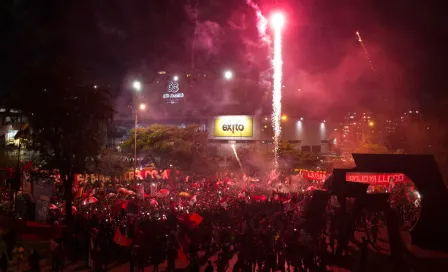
(228, 75)
(371, 124)
(137, 85)
(141, 107)
(175, 78)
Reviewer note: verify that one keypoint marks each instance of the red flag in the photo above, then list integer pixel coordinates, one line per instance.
(190, 220)
(27, 166)
(181, 255)
(223, 199)
(258, 197)
(184, 241)
(196, 218)
(122, 240)
(172, 205)
(79, 195)
(223, 202)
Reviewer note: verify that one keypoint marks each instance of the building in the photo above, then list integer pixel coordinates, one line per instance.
(14, 128)
(244, 130)
(361, 127)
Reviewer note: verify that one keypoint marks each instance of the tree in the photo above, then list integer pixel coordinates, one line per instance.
(371, 148)
(110, 164)
(292, 157)
(288, 154)
(185, 148)
(6, 161)
(51, 81)
(258, 158)
(68, 122)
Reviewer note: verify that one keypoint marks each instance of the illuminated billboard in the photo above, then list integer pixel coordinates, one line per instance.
(233, 126)
(173, 96)
(376, 178)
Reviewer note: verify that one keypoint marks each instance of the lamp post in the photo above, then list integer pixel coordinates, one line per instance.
(228, 75)
(137, 85)
(141, 107)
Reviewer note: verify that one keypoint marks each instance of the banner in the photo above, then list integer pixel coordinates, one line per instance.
(376, 178)
(42, 191)
(314, 175)
(370, 178)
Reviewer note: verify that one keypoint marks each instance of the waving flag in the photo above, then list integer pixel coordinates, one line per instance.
(223, 202)
(193, 200)
(122, 240)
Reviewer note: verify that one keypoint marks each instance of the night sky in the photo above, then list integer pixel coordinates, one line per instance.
(325, 68)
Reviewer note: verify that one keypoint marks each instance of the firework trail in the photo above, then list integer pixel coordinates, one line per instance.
(262, 22)
(366, 53)
(237, 158)
(195, 34)
(277, 23)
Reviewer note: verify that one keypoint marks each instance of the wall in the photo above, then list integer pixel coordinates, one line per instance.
(308, 133)
(303, 133)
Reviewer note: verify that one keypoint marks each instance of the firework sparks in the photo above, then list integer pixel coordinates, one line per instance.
(277, 23)
(366, 53)
(195, 34)
(262, 22)
(237, 158)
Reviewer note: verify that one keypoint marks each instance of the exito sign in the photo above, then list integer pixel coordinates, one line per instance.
(233, 126)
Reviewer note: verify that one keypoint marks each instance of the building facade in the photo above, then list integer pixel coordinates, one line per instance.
(243, 130)
(316, 136)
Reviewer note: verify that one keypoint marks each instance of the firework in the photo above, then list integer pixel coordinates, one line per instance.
(262, 22)
(366, 53)
(277, 23)
(195, 34)
(237, 158)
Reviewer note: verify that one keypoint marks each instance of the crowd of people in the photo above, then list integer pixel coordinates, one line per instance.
(264, 224)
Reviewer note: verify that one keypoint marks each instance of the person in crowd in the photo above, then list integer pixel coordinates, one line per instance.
(374, 230)
(364, 252)
(332, 244)
(209, 267)
(194, 265)
(34, 261)
(4, 261)
(98, 260)
(57, 255)
(172, 250)
(133, 260)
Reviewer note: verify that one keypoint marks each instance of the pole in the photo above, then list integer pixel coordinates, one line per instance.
(20, 142)
(135, 152)
(18, 165)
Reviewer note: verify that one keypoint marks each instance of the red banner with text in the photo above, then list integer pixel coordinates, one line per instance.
(377, 178)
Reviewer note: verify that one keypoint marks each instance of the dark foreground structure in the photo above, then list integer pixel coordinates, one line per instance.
(431, 230)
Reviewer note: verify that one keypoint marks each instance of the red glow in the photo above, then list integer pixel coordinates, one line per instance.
(277, 20)
(376, 178)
